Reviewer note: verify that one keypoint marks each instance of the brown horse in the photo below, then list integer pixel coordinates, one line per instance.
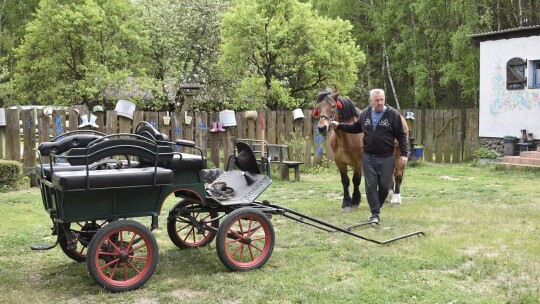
(347, 148)
(399, 169)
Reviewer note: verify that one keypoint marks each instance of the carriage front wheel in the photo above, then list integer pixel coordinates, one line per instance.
(245, 239)
(182, 230)
(82, 233)
(122, 256)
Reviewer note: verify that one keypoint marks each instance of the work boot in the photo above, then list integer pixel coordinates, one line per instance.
(374, 218)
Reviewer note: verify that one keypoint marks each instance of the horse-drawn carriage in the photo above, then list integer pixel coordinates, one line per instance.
(93, 184)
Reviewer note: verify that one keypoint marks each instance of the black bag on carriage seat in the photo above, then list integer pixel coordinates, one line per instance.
(245, 160)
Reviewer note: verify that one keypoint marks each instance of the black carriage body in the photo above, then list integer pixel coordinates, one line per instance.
(73, 192)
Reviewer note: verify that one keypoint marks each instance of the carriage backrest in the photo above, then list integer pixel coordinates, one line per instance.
(67, 143)
(114, 146)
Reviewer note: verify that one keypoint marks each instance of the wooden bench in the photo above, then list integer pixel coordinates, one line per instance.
(279, 154)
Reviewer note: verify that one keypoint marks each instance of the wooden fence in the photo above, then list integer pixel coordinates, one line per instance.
(448, 136)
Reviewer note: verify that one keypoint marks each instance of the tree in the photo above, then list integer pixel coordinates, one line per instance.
(14, 15)
(77, 51)
(283, 52)
(185, 44)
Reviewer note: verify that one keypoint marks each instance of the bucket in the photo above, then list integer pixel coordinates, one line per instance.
(125, 108)
(250, 115)
(187, 118)
(227, 118)
(298, 114)
(2, 117)
(418, 152)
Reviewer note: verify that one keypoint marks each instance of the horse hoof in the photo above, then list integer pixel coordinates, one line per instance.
(345, 209)
(396, 200)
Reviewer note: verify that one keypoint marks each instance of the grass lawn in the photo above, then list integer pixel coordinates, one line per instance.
(482, 245)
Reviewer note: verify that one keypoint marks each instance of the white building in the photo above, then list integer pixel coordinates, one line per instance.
(509, 82)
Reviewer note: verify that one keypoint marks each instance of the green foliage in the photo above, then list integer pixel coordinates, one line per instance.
(10, 173)
(185, 43)
(282, 52)
(76, 51)
(485, 153)
(296, 144)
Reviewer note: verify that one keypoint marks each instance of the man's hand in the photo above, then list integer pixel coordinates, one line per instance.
(403, 160)
(333, 124)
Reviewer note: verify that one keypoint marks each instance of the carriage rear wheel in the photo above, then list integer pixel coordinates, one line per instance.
(183, 233)
(245, 239)
(122, 256)
(82, 233)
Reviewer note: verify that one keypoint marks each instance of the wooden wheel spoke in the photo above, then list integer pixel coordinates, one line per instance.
(109, 264)
(132, 266)
(190, 232)
(253, 246)
(251, 252)
(111, 243)
(240, 248)
(113, 271)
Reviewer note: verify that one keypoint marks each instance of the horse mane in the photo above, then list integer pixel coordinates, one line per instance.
(348, 109)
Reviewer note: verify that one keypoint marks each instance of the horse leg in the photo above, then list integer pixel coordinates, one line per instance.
(398, 179)
(356, 197)
(345, 182)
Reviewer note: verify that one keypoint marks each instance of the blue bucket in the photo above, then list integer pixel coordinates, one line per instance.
(418, 152)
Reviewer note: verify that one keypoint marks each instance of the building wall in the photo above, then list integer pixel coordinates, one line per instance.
(506, 112)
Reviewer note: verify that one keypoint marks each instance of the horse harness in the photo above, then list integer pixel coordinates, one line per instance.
(335, 109)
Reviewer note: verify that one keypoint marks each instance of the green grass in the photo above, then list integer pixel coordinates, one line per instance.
(482, 241)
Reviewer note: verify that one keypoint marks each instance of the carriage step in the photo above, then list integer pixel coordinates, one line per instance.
(42, 246)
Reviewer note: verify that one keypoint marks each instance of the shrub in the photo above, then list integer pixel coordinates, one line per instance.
(10, 173)
(485, 153)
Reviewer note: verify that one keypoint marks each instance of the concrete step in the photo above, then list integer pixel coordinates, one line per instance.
(519, 160)
(520, 166)
(530, 154)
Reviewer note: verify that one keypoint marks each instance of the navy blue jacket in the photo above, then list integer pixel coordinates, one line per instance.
(379, 143)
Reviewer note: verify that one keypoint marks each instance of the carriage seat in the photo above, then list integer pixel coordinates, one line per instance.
(190, 162)
(61, 167)
(113, 178)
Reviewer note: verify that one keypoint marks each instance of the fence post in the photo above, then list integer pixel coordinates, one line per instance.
(13, 150)
(28, 119)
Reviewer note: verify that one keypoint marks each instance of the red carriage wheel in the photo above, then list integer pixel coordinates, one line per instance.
(181, 230)
(122, 256)
(82, 233)
(245, 239)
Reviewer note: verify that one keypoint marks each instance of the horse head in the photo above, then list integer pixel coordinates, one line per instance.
(332, 107)
(326, 110)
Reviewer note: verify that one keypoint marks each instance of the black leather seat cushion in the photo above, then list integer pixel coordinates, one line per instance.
(190, 162)
(61, 167)
(71, 180)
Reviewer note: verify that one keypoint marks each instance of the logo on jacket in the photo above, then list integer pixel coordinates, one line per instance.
(368, 122)
(384, 123)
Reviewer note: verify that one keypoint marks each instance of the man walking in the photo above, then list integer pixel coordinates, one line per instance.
(381, 125)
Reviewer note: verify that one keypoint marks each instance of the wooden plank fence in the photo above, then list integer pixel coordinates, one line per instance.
(448, 136)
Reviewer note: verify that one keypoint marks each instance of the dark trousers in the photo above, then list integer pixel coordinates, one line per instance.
(378, 179)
